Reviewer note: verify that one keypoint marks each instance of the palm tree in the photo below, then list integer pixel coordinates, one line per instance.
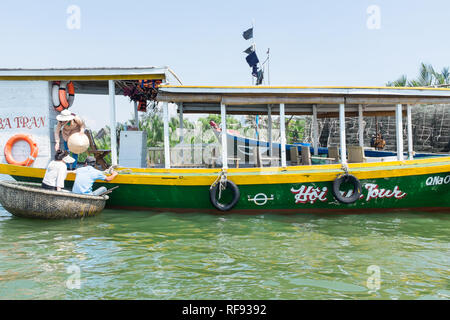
(400, 82)
(154, 127)
(442, 78)
(428, 77)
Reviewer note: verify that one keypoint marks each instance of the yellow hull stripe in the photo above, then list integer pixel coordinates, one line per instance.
(255, 176)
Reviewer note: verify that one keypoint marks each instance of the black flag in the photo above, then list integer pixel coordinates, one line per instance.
(248, 34)
(249, 50)
(252, 59)
(255, 71)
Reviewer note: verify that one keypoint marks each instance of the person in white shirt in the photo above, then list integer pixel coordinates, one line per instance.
(57, 171)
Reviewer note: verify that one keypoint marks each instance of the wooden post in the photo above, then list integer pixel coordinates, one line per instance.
(315, 131)
(360, 125)
(282, 136)
(223, 119)
(166, 135)
(399, 131)
(136, 115)
(410, 139)
(342, 133)
(180, 109)
(112, 121)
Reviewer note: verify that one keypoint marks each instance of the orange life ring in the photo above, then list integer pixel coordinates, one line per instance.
(55, 96)
(33, 150)
(59, 96)
(62, 94)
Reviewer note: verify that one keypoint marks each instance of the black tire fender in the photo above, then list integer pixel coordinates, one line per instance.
(356, 188)
(220, 206)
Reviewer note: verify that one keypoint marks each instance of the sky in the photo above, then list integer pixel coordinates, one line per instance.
(321, 42)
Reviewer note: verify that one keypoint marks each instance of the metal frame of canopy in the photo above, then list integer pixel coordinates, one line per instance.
(316, 101)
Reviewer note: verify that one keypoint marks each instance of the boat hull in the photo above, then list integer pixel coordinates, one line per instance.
(408, 185)
(28, 200)
(377, 194)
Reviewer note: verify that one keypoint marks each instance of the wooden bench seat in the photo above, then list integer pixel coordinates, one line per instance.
(98, 154)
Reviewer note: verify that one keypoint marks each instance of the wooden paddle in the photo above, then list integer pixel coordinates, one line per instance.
(108, 191)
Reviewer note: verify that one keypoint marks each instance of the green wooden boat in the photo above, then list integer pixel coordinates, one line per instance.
(400, 181)
(408, 185)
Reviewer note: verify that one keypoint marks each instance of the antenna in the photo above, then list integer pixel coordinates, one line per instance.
(268, 64)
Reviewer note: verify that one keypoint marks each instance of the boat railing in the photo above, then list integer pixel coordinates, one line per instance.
(208, 156)
(184, 155)
(155, 157)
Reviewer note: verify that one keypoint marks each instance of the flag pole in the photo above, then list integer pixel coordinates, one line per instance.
(258, 155)
(253, 38)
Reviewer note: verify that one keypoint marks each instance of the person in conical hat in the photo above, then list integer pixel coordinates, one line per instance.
(68, 124)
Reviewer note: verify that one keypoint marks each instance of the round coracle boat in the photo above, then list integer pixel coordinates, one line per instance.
(29, 200)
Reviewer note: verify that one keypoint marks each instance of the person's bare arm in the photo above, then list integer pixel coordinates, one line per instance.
(80, 122)
(57, 133)
(112, 176)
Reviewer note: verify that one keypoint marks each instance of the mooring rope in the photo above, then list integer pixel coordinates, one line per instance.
(222, 180)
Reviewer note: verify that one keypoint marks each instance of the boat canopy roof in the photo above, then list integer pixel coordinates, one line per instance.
(87, 80)
(375, 101)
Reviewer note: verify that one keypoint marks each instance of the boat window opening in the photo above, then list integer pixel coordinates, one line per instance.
(196, 141)
(199, 143)
(255, 140)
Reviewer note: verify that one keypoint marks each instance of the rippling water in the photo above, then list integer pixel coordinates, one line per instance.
(145, 255)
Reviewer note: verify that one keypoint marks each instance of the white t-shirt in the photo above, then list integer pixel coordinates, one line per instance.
(56, 174)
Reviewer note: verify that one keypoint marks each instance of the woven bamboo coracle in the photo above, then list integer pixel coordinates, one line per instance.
(29, 200)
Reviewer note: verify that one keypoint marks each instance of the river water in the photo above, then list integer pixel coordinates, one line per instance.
(147, 255)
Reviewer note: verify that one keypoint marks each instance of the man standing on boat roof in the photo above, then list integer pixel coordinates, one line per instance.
(68, 124)
(86, 176)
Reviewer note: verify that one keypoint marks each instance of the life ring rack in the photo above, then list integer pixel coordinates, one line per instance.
(356, 194)
(33, 150)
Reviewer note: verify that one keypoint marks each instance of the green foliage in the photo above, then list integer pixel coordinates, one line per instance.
(153, 125)
(232, 123)
(400, 82)
(428, 77)
(295, 126)
(295, 130)
(205, 121)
